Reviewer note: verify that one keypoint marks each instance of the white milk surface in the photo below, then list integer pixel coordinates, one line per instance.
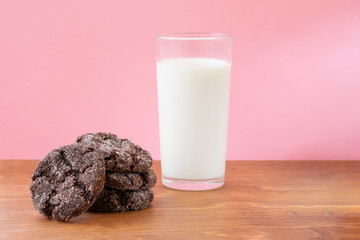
(193, 98)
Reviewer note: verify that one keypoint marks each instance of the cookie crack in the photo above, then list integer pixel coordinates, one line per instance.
(75, 173)
(132, 180)
(144, 180)
(84, 170)
(86, 192)
(66, 162)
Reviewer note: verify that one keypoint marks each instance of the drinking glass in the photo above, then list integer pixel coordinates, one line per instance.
(193, 83)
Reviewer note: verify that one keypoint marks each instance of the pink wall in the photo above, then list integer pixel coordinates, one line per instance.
(70, 67)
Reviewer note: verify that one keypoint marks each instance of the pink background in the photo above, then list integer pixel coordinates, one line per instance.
(71, 67)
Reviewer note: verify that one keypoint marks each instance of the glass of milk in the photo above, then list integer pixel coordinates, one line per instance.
(193, 82)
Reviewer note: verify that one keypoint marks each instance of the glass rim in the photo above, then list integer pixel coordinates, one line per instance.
(193, 36)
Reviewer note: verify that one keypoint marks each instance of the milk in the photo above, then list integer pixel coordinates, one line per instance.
(193, 99)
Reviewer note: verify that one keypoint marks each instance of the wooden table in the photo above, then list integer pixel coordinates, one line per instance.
(260, 200)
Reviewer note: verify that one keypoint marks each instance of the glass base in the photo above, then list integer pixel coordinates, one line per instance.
(193, 185)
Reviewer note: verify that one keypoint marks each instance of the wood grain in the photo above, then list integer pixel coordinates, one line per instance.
(260, 200)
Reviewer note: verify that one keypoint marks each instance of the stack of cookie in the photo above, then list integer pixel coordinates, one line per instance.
(99, 173)
(129, 177)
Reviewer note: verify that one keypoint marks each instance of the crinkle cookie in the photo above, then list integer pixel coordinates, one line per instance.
(112, 200)
(67, 181)
(121, 155)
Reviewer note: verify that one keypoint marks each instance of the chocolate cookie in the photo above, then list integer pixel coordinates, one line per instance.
(112, 200)
(121, 155)
(131, 181)
(67, 181)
